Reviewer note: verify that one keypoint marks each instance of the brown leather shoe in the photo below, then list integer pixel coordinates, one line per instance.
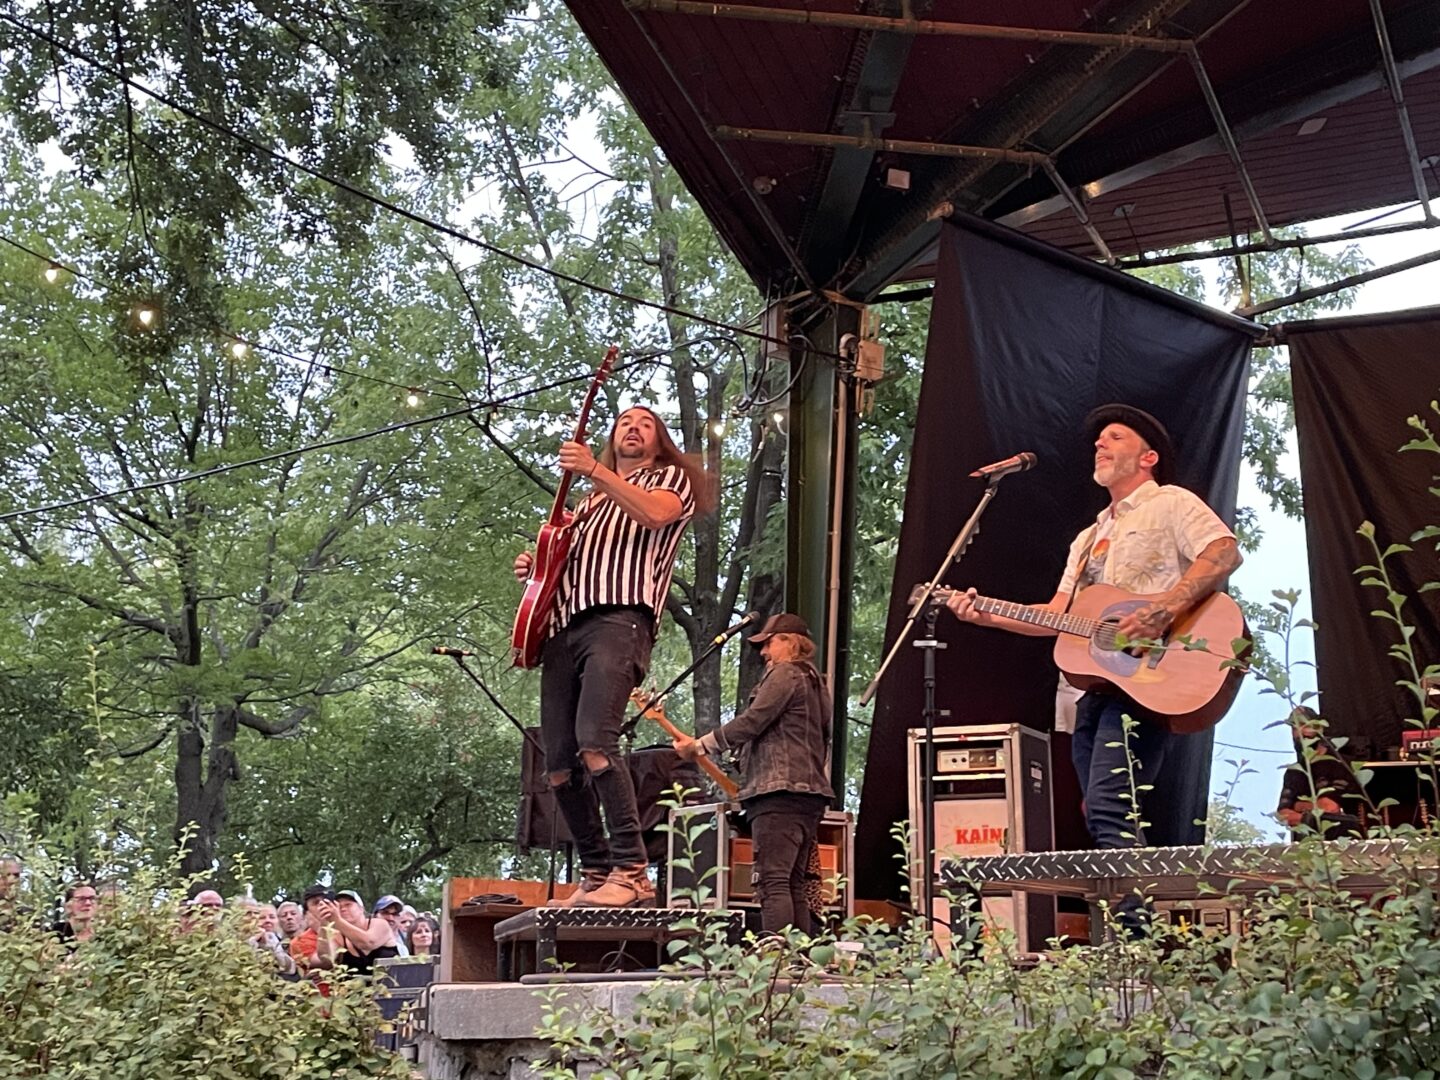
(627, 886)
(590, 882)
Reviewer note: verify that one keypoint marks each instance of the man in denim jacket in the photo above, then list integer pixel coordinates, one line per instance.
(783, 740)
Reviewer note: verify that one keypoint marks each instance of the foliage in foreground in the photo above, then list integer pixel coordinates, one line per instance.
(1320, 983)
(142, 1001)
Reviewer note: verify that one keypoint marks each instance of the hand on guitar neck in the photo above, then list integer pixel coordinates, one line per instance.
(687, 747)
(968, 606)
(1186, 677)
(1144, 624)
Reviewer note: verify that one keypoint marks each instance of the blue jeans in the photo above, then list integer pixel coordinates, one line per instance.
(1101, 768)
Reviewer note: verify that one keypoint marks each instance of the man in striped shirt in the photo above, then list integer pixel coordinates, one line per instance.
(608, 606)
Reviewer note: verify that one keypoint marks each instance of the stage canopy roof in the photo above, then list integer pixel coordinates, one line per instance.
(826, 139)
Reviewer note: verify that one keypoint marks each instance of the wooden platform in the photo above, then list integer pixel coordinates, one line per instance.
(467, 931)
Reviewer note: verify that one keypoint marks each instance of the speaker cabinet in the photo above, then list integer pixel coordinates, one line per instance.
(992, 797)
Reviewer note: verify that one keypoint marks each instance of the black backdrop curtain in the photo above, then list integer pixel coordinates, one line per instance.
(1024, 340)
(1356, 381)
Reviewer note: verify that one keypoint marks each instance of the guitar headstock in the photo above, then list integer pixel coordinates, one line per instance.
(607, 365)
(642, 699)
(940, 595)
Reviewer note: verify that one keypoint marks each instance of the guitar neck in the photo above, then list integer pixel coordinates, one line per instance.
(1060, 622)
(582, 421)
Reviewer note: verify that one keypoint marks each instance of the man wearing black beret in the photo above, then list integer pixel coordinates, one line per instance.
(1154, 537)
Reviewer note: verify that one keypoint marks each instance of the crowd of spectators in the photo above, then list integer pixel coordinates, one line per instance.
(325, 931)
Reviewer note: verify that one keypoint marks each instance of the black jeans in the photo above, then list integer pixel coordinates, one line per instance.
(590, 667)
(782, 854)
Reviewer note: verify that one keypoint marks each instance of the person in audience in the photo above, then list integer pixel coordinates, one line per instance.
(363, 939)
(425, 937)
(392, 910)
(9, 876)
(406, 923)
(202, 912)
(313, 949)
(291, 917)
(263, 925)
(78, 926)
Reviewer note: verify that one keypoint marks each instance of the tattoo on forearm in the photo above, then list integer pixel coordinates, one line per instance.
(1208, 572)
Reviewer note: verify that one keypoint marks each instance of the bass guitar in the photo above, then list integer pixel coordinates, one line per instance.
(552, 548)
(656, 712)
(1186, 680)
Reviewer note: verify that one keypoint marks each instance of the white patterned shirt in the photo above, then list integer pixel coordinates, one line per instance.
(1147, 545)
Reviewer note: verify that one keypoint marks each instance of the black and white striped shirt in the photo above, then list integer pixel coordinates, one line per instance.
(614, 560)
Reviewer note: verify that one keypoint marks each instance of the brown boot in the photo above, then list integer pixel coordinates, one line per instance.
(627, 886)
(590, 882)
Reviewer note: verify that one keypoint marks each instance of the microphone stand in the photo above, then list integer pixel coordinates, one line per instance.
(529, 737)
(922, 606)
(628, 729)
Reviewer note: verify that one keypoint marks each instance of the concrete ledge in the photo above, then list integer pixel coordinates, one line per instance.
(490, 1011)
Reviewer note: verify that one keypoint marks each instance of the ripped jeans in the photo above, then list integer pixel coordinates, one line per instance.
(590, 667)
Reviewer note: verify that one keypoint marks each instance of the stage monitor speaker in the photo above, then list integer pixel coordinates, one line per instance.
(992, 797)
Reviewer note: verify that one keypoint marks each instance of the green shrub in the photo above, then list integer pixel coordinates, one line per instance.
(143, 1001)
(1320, 983)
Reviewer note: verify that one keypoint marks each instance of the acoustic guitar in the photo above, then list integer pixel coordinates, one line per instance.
(552, 548)
(1186, 680)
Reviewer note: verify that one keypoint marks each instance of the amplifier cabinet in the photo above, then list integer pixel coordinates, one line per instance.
(992, 797)
(732, 884)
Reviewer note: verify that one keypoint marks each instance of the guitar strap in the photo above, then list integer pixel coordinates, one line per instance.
(1084, 564)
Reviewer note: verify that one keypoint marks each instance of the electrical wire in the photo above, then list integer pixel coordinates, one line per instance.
(1253, 749)
(307, 448)
(378, 200)
(310, 362)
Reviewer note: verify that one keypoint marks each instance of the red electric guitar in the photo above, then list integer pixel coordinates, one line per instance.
(552, 548)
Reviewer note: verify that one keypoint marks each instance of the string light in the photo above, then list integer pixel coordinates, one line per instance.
(778, 417)
(718, 427)
(238, 349)
(148, 315)
(360, 193)
(52, 273)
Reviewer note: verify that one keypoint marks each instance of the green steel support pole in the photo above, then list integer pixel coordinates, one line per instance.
(820, 513)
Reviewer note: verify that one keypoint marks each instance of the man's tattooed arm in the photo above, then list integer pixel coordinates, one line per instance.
(1206, 574)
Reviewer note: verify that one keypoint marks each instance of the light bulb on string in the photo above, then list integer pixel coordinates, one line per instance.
(52, 273)
(145, 316)
(238, 349)
(412, 399)
(718, 427)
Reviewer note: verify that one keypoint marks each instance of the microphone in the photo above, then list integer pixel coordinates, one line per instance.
(1018, 463)
(446, 650)
(726, 635)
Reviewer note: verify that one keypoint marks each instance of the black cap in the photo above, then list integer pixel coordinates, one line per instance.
(784, 623)
(316, 892)
(1144, 425)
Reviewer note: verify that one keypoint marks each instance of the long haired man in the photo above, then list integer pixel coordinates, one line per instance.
(610, 599)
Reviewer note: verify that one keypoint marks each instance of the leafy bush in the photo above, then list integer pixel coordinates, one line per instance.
(142, 1000)
(1319, 984)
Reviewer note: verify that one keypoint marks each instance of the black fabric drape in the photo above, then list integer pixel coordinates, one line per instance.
(1356, 381)
(1024, 341)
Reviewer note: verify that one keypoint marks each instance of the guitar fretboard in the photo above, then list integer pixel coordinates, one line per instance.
(1039, 616)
